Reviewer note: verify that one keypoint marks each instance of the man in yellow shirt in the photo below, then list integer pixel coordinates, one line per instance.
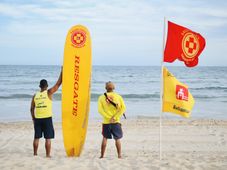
(41, 112)
(111, 106)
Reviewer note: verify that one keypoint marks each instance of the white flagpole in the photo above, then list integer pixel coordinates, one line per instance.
(161, 92)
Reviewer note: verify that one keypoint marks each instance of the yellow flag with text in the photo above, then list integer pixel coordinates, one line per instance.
(176, 96)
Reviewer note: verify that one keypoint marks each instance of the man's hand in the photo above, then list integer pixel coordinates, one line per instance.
(32, 109)
(112, 120)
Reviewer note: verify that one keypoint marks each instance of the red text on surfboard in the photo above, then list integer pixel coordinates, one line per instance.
(76, 84)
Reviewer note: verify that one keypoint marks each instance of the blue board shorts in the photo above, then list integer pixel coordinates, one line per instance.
(112, 130)
(44, 126)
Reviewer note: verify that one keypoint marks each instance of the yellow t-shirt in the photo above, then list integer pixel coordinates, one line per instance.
(107, 110)
(43, 105)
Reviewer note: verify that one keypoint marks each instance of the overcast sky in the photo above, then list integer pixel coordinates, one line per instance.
(124, 32)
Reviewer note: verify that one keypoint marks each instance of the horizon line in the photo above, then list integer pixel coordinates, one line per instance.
(105, 65)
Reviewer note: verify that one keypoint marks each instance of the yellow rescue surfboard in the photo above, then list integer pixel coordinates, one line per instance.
(76, 89)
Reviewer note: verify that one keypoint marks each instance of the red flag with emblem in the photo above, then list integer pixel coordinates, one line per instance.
(183, 44)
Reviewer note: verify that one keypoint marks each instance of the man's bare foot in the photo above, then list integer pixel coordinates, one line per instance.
(48, 156)
(101, 157)
(35, 154)
(119, 156)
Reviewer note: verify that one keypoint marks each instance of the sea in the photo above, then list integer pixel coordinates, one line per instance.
(138, 85)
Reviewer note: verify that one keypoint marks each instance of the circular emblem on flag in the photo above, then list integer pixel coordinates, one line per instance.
(190, 46)
(78, 38)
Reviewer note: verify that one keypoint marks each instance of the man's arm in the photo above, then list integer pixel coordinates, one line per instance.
(122, 109)
(101, 110)
(32, 109)
(53, 89)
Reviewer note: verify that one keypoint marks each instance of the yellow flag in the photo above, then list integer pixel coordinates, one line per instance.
(176, 97)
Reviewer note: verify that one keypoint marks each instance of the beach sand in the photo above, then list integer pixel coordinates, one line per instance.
(186, 144)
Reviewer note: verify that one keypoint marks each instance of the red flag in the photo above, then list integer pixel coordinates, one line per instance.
(183, 44)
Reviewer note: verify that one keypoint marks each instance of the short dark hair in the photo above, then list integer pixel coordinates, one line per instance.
(43, 83)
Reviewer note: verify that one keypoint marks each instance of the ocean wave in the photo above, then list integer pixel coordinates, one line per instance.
(202, 96)
(94, 96)
(17, 96)
(98, 82)
(210, 88)
(140, 96)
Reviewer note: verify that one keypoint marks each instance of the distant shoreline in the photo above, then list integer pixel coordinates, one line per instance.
(176, 120)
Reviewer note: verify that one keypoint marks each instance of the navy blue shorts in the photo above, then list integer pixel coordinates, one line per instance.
(44, 126)
(114, 129)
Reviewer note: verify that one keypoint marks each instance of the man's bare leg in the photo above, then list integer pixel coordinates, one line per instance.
(35, 146)
(103, 147)
(48, 147)
(118, 146)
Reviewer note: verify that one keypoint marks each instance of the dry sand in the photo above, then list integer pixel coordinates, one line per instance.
(186, 144)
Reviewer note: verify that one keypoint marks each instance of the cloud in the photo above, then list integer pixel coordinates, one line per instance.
(127, 27)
